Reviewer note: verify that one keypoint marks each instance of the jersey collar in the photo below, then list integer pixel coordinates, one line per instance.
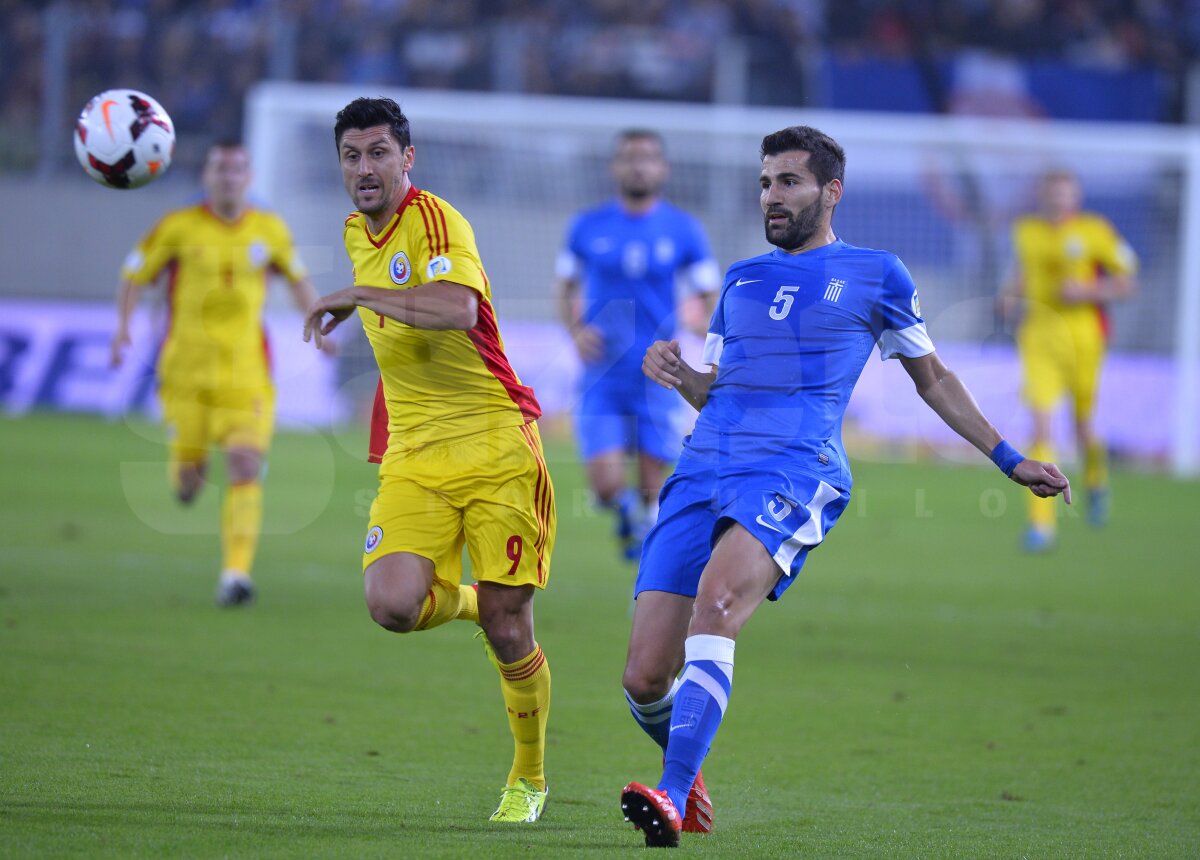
(383, 237)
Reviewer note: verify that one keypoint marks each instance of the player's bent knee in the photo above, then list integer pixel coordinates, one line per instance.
(393, 615)
(506, 633)
(645, 685)
(714, 614)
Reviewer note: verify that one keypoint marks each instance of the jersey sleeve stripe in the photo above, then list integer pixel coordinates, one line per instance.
(910, 342)
(438, 219)
(486, 337)
(714, 344)
(430, 227)
(378, 444)
(441, 219)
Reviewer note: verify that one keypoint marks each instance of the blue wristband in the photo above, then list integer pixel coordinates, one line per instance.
(1006, 457)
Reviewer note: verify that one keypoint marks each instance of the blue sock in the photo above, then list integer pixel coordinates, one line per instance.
(655, 718)
(700, 704)
(627, 505)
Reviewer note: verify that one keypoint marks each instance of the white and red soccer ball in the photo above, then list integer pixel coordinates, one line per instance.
(124, 139)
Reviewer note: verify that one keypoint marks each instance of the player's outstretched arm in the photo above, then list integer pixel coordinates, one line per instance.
(663, 363)
(304, 296)
(589, 342)
(128, 294)
(946, 395)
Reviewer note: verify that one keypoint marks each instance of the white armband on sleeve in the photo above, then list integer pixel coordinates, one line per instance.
(911, 342)
(701, 277)
(567, 266)
(713, 345)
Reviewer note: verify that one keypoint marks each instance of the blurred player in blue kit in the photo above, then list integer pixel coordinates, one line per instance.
(764, 476)
(618, 279)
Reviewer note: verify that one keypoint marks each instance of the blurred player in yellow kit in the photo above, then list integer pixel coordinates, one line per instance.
(215, 259)
(463, 460)
(1069, 265)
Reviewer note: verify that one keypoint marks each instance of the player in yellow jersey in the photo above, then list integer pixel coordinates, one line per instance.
(463, 461)
(214, 259)
(1070, 264)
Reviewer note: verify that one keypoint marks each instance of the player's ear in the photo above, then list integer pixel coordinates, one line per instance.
(833, 192)
(410, 153)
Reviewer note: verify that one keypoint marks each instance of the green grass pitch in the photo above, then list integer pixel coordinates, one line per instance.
(924, 691)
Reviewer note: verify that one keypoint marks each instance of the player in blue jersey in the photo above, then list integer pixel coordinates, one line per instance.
(617, 281)
(764, 476)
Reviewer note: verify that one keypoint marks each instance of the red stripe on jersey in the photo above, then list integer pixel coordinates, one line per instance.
(436, 208)
(266, 346)
(486, 337)
(441, 242)
(413, 191)
(429, 228)
(1105, 321)
(378, 445)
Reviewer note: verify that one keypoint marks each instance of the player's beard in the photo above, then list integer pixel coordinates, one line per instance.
(639, 191)
(799, 229)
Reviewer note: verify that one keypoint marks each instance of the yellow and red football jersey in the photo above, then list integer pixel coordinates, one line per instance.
(217, 275)
(435, 385)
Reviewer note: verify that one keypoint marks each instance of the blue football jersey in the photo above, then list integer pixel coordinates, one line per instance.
(628, 265)
(790, 336)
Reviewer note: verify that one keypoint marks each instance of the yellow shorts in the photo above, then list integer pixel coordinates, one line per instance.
(198, 418)
(1057, 366)
(490, 490)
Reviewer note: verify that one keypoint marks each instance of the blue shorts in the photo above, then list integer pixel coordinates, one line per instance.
(628, 414)
(788, 513)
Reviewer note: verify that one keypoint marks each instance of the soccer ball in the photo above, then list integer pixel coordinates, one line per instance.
(124, 139)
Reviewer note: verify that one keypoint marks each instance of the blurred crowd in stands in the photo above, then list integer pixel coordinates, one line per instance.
(199, 56)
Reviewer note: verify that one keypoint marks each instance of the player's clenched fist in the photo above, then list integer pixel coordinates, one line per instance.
(661, 363)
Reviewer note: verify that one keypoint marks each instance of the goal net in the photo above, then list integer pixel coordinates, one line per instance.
(940, 192)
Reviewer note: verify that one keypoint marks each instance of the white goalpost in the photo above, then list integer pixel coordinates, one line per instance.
(939, 191)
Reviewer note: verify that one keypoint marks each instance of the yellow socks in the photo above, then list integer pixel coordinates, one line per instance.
(241, 524)
(468, 604)
(1042, 511)
(447, 602)
(526, 688)
(1095, 471)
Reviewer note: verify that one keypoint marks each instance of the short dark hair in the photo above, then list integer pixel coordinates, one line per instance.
(628, 134)
(826, 158)
(225, 143)
(366, 112)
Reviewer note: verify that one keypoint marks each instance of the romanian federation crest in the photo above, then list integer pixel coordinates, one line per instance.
(400, 270)
(374, 536)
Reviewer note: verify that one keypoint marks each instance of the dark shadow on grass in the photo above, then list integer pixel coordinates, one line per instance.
(288, 823)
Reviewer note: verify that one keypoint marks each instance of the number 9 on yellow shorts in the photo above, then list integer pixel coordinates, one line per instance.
(490, 491)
